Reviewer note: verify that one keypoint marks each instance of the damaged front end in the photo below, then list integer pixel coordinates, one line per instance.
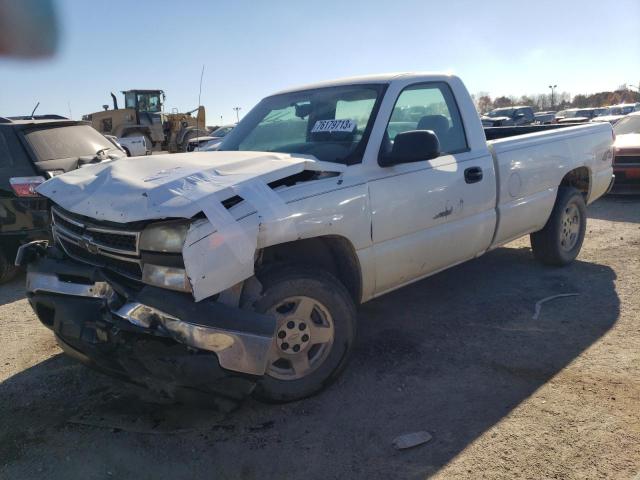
(150, 336)
(153, 260)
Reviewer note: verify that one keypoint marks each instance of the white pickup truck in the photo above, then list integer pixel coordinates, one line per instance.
(240, 270)
(135, 146)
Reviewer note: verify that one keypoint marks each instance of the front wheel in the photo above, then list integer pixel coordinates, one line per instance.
(316, 326)
(560, 241)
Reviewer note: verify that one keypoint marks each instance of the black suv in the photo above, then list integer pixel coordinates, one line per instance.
(31, 151)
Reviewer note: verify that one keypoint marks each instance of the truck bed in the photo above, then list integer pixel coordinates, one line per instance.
(530, 163)
(495, 133)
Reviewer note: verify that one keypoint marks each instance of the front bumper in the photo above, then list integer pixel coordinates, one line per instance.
(627, 180)
(147, 335)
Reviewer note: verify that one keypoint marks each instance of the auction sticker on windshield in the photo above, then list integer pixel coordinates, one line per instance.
(345, 125)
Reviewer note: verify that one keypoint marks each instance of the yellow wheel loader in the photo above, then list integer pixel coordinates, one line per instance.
(143, 115)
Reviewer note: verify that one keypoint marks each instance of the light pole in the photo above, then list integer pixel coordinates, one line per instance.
(237, 109)
(553, 88)
(634, 86)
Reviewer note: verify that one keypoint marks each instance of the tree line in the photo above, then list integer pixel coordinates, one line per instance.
(561, 100)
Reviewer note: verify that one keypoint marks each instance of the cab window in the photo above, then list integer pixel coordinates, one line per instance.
(148, 102)
(429, 107)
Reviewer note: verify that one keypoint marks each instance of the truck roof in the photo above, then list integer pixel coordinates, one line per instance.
(364, 79)
(142, 90)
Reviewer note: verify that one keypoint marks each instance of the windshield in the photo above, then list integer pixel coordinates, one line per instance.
(221, 132)
(501, 112)
(331, 123)
(570, 113)
(628, 125)
(144, 102)
(70, 141)
(584, 113)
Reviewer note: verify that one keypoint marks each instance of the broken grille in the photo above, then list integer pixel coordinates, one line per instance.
(111, 248)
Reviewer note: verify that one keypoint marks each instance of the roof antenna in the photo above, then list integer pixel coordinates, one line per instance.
(199, 95)
(34, 109)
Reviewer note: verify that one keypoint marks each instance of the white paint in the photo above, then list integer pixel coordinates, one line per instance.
(404, 222)
(134, 189)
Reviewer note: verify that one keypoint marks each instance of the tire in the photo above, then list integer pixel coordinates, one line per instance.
(185, 140)
(309, 304)
(560, 241)
(7, 269)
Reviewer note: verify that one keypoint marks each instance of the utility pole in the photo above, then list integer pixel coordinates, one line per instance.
(553, 88)
(237, 109)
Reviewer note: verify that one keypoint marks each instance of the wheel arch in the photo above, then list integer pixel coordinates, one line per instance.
(580, 179)
(332, 253)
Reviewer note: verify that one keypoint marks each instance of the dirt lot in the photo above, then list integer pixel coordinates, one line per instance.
(458, 355)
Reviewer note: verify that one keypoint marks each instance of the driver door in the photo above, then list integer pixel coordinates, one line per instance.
(430, 214)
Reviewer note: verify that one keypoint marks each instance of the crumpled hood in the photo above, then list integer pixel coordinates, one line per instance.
(143, 188)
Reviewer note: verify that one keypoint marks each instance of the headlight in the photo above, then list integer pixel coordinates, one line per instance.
(164, 236)
(172, 278)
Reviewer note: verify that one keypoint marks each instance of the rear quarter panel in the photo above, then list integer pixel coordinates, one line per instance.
(531, 167)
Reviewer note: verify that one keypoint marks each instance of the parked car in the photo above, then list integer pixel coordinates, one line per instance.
(626, 160)
(624, 108)
(135, 146)
(578, 115)
(612, 119)
(601, 111)
(32, 150)
(199, 143)
(561, 114)
(544, 118)
(239, 270)
(503, 117)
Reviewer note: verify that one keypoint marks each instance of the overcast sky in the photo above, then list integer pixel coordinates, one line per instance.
(251, 49)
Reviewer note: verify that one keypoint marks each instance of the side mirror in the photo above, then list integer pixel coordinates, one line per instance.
(412, 146)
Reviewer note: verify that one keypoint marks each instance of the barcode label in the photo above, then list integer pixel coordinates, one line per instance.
(345, 125)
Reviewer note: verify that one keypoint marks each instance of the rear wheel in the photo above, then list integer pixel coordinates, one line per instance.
(316, 325)
(560, 241)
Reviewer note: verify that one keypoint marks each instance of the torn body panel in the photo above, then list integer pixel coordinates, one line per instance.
(324, 209)
(88, 309)
(219, 250)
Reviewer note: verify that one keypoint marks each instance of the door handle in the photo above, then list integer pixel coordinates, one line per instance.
(473, 174)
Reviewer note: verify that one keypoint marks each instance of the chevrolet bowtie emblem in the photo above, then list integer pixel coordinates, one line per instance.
(88, 245)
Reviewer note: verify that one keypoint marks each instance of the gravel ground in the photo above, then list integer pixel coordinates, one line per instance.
(458, 355)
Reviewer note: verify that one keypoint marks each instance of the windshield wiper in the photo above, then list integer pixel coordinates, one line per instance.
(99, 156)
